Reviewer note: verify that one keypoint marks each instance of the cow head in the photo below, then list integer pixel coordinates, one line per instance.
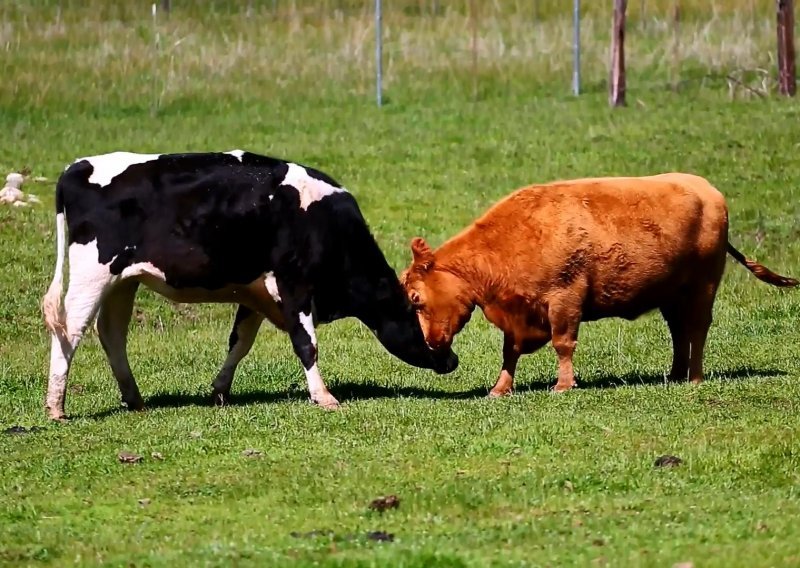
(397, 328)
(357, 281)
(372, 293)
(440, 298)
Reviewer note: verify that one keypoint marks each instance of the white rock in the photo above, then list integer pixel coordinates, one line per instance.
(10, 194)
(14, 180)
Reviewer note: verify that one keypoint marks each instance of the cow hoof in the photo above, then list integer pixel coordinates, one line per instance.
(500, 393)
(57, 415)
(564, 388)
(220, 399)
(134, 406)
(327, 401)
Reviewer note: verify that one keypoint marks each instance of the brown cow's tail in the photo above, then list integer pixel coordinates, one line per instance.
(762, 272)
(52, 308)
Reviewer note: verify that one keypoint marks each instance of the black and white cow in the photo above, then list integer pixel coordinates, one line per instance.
(283, 241)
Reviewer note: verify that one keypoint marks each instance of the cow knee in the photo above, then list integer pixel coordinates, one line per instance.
(564, 344)
(307, 354)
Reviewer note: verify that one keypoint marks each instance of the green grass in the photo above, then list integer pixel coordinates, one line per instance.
(536, 479)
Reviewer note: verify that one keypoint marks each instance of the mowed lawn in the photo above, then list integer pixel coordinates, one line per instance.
(534, 479)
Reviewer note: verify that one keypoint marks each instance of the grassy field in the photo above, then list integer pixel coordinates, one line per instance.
(535, 479)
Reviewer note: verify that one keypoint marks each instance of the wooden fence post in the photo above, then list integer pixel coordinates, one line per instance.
(165, 5)
(787, 82)
(473, 16)
(616, 84)
(576, 47)
(676, 62)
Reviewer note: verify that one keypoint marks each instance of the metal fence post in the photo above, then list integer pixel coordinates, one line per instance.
(576, 47)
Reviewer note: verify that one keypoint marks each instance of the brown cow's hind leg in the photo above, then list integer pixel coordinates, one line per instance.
(689, 320)
(698, 327)
(564, 322)
(675, 316)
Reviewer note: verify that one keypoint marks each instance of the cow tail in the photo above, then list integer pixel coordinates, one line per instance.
(52, 308)
(762, 272)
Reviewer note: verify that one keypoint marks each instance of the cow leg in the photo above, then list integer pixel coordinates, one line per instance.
(300, 326)
(243, 335)
(88, 282)
(513, 349)
(676, 318)
(112, 327)
(699, 322)
(565, 318)
(505, 382)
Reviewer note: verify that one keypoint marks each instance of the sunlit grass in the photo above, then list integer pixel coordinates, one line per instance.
(536, 479)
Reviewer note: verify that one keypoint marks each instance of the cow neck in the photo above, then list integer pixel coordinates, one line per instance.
(459, 257)
(363, 285)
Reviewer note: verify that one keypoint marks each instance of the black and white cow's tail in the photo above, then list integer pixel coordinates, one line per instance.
(52, 308)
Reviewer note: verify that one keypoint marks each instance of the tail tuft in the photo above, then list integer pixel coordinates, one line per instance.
(52, 308)
(762, 272)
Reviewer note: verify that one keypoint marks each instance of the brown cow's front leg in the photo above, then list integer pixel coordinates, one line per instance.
(505, 382)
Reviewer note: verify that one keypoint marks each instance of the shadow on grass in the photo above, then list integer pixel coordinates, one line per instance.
(605, 381)
(347, 391)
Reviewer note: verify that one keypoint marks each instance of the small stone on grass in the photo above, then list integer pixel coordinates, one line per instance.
(668, 461)
(128, 457)
(382, 504)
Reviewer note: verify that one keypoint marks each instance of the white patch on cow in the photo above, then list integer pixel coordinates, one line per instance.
(88, 282)
(308, 324)
(316, 386)
(309, 188)
(272, 286)
(236, 153)
(144, 269)
(108, 166)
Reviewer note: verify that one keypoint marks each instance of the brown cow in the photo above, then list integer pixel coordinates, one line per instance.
(548, 257)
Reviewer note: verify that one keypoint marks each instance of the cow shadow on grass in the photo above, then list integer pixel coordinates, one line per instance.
(350, 391)
(633, 379)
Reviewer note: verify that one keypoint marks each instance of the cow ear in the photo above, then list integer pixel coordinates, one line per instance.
(423, 255)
